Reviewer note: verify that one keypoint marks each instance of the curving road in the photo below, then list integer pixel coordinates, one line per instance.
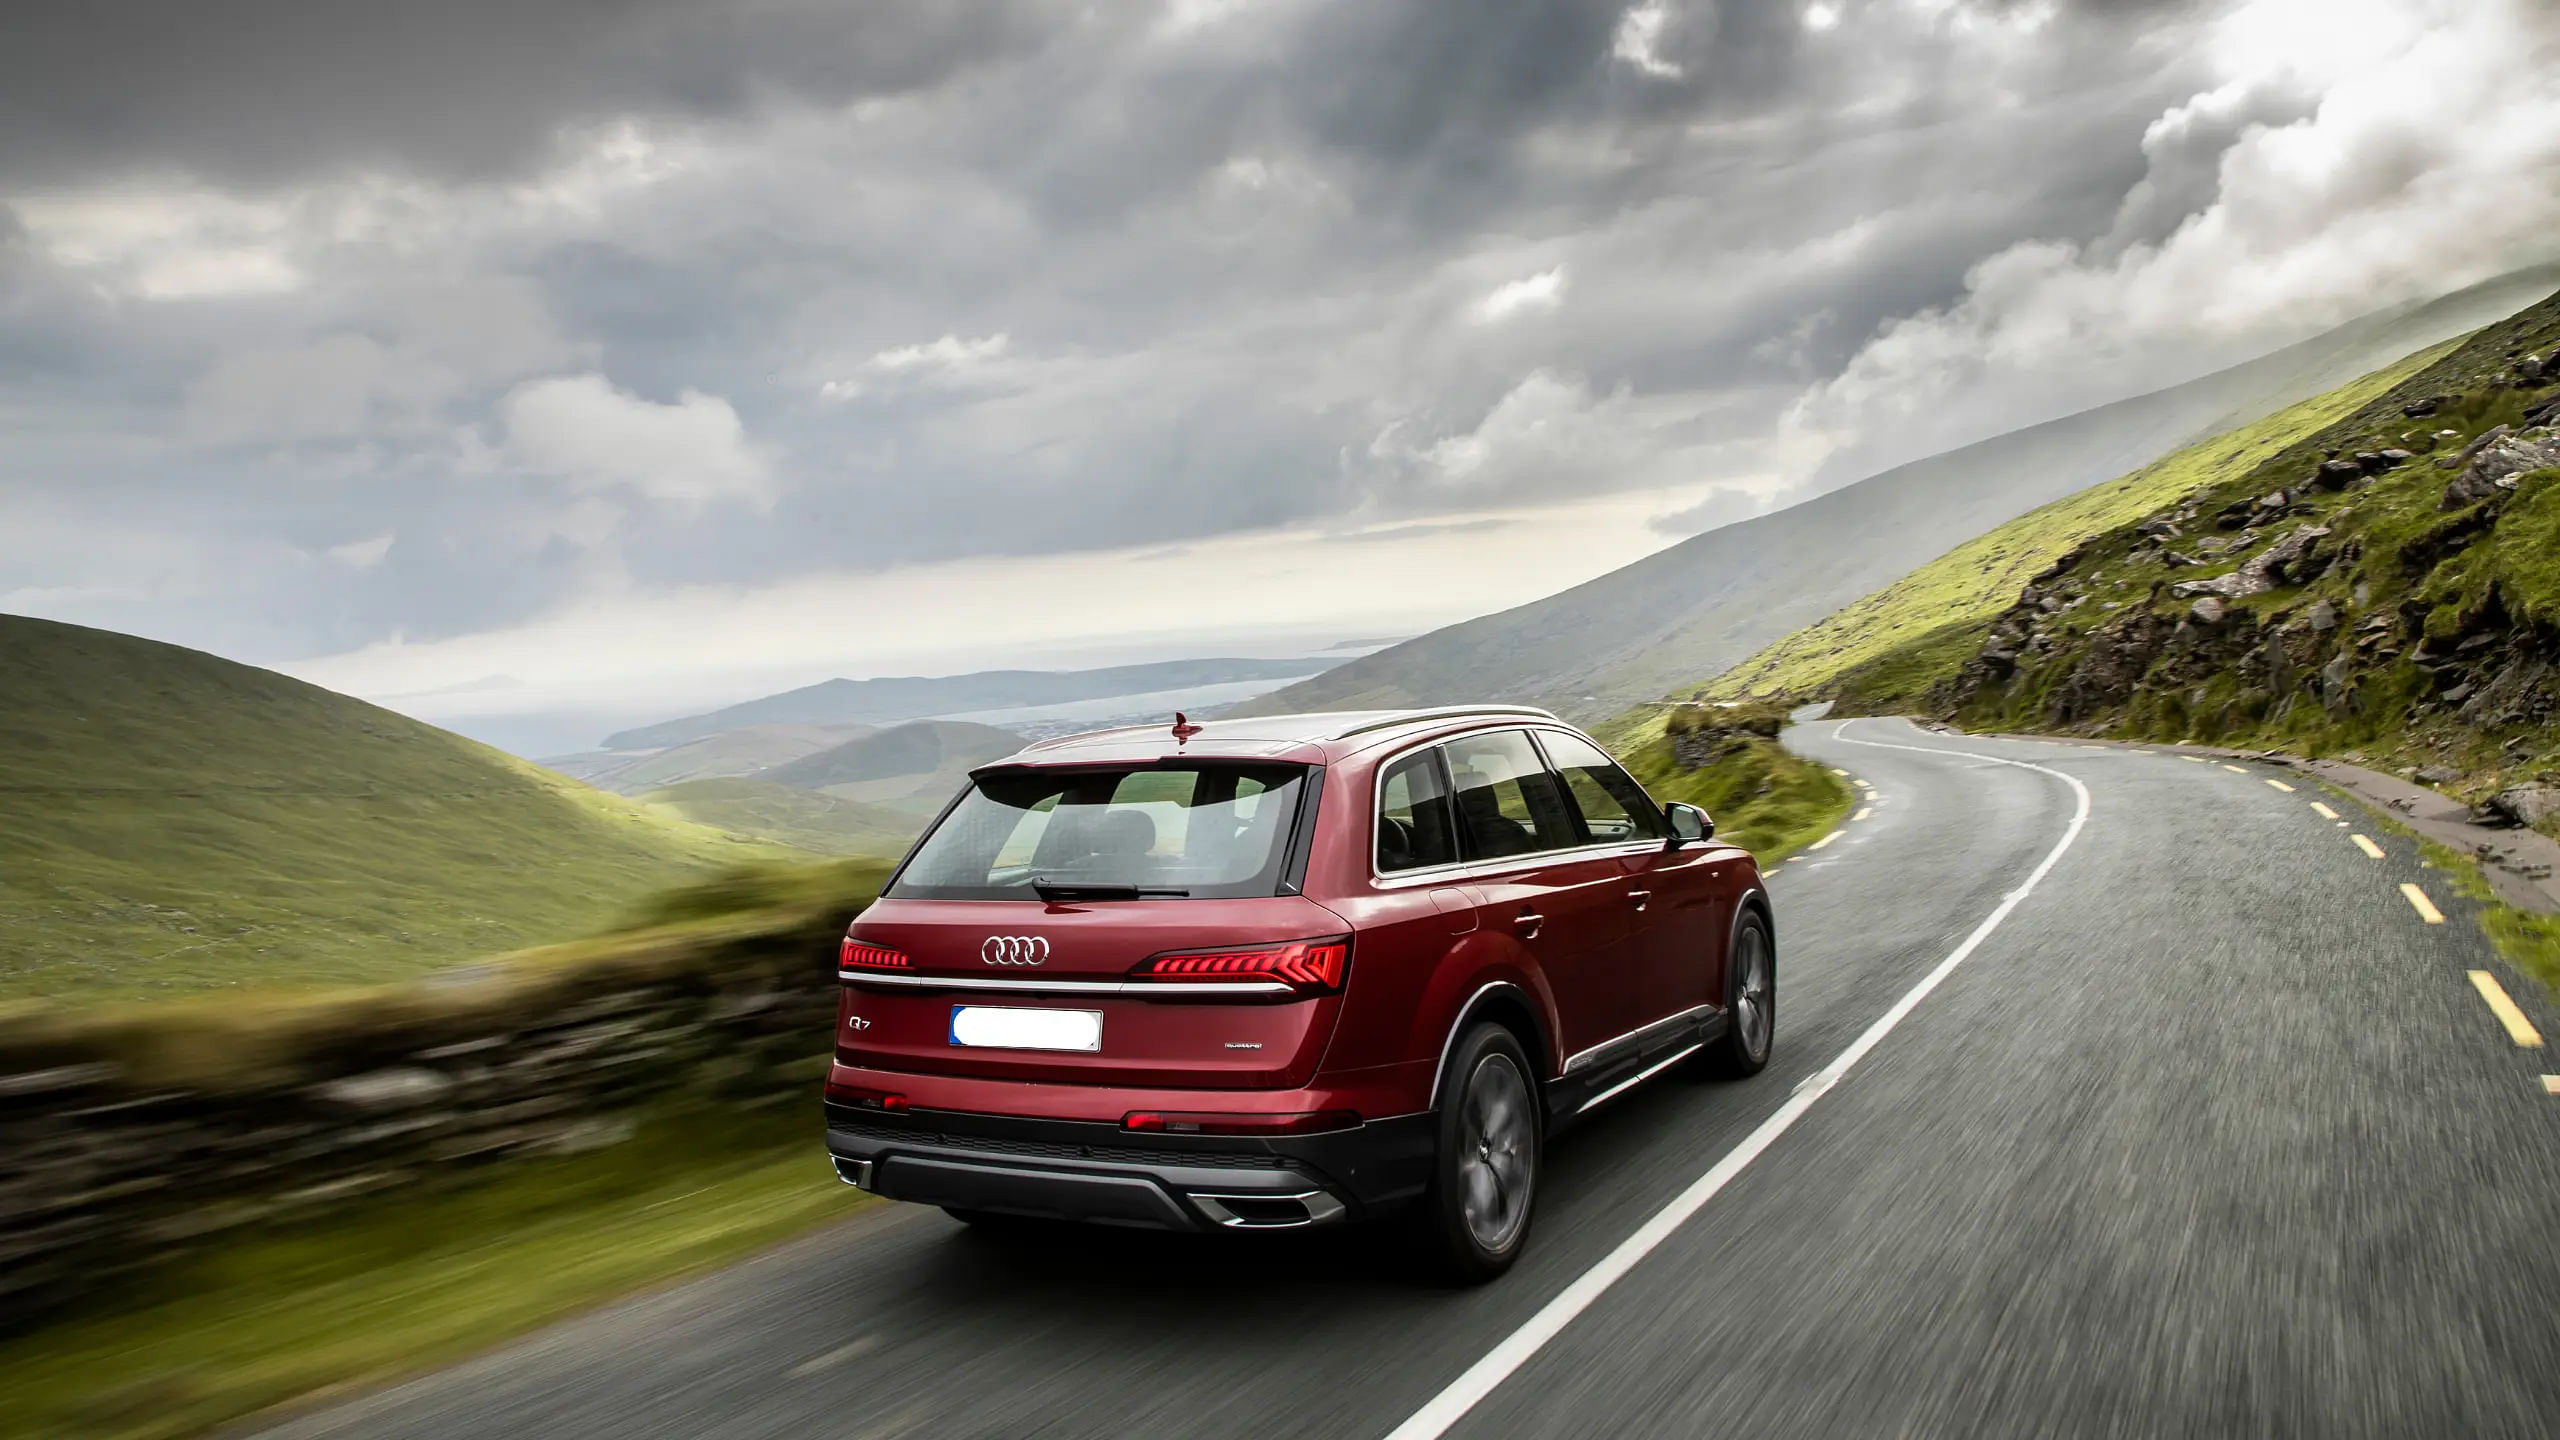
(2205, 1131)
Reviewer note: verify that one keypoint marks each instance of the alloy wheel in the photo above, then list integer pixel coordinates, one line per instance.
(1494, 1167)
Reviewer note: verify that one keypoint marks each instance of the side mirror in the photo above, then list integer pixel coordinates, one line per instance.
(1689, 825)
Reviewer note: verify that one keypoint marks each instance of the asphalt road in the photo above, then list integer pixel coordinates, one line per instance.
(2211, 1134)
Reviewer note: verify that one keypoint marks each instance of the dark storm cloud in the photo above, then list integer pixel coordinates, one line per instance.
(974, 277)
(258, 90)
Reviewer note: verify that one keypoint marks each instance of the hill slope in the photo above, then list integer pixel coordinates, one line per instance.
(2332, 598)
(170, 820)
(908, 697)
(917, 749)
(1697, 607)
(806, 819)
(748, 750)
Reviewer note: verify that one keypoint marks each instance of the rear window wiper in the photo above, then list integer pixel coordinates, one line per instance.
(1055, 891)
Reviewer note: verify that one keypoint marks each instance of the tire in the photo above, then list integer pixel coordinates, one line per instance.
(1751, 1003)
(1474, 1220)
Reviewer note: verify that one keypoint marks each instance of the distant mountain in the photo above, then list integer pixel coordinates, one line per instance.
(1689, 611)
(172, 821)
(748, 750)
(916, 765)
(805, 819)
(889, 700)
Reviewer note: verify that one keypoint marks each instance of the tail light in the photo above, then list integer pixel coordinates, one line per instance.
(860, 955)
(1307, 967)
(1171, 1122)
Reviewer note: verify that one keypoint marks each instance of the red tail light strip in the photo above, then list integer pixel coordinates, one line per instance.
(1308, 967)
(1193, 1123)
(860, 955)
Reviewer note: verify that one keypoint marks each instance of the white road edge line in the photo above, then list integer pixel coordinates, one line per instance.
(1480, 1379)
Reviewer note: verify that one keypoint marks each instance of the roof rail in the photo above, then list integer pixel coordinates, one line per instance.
(1447, 712)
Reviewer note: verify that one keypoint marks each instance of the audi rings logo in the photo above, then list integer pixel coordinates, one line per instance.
(1015, 950)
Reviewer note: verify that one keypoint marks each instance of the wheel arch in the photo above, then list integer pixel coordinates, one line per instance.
(1509, 1004)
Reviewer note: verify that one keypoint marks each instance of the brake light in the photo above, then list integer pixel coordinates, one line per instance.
(1310, 967)
(858, 955)
(1172, 1122)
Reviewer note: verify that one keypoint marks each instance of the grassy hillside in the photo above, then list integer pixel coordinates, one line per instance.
(1764, 798)
(171, 821)
(806, 819)
(1918, 617)
(1700, 606)
(2395, 609)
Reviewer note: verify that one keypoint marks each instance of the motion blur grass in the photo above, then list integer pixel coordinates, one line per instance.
(1931, 619)
(2527, 941)
(173, 822)
(407, 1281)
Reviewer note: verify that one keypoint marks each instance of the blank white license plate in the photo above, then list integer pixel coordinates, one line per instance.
(1007, 1027)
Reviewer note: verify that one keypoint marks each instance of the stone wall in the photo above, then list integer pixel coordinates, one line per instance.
(132, 1135)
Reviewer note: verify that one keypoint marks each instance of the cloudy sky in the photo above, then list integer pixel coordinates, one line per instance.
(614, 358)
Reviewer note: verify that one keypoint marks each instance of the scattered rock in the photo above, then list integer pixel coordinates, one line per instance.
(2526, 805)
(2208, 611)
(2321, 617)
(2175, 560)
(2497, 466)
(2421, 409)
(2435, 774)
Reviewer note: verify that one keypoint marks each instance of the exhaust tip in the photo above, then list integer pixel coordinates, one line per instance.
(856, 1173)
(1270, 1212)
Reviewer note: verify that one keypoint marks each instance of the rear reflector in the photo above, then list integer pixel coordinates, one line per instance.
(1173, 1122)
(861, 1098)
(1310, 967)
(857, 955)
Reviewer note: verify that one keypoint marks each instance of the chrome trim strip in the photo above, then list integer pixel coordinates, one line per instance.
(1639, 1077)
(1581, 1058)
(856, 1173)
(1061, 987)
(1450, 1041)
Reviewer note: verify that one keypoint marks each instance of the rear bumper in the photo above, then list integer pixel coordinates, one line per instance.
(1081, 1170)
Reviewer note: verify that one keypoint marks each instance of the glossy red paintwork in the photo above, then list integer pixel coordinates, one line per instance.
(1629, 934)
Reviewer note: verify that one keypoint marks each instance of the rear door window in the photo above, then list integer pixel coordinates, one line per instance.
(1417, 826)
(1611, 805)
(1207, 831)
(1509, 803)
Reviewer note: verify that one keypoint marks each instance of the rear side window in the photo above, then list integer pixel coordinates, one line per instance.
(1509, 803)
(1208, 831)
(1612, 805)
(1416, 825)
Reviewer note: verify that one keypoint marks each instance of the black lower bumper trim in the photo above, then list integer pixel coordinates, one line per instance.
(1100, 1173)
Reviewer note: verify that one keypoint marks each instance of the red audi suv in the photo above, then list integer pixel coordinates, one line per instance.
(1279, 972)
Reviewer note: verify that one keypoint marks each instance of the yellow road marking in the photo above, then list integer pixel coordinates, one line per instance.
(2137, 752)
(2426, 909)
(1864, 813)
(2192, 759)
(2551, 1084)
(2323, 811)
(2236, 770)
(1825, 840)
(2519, 1029)
(2281, 786)
(2367, 846)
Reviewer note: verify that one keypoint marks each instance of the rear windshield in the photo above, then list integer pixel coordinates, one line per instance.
(1206, 831)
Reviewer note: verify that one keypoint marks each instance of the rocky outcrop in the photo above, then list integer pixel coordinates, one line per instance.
(2496, 461)
(2289, 561)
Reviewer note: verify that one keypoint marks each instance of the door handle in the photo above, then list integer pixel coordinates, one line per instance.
(1527, 923)
(1640, 897)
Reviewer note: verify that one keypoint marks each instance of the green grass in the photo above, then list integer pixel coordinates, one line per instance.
(818, 823)
(1970, 584)
(405, 1282)
(2528, 941)
(1763, 798)
(174, 822)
